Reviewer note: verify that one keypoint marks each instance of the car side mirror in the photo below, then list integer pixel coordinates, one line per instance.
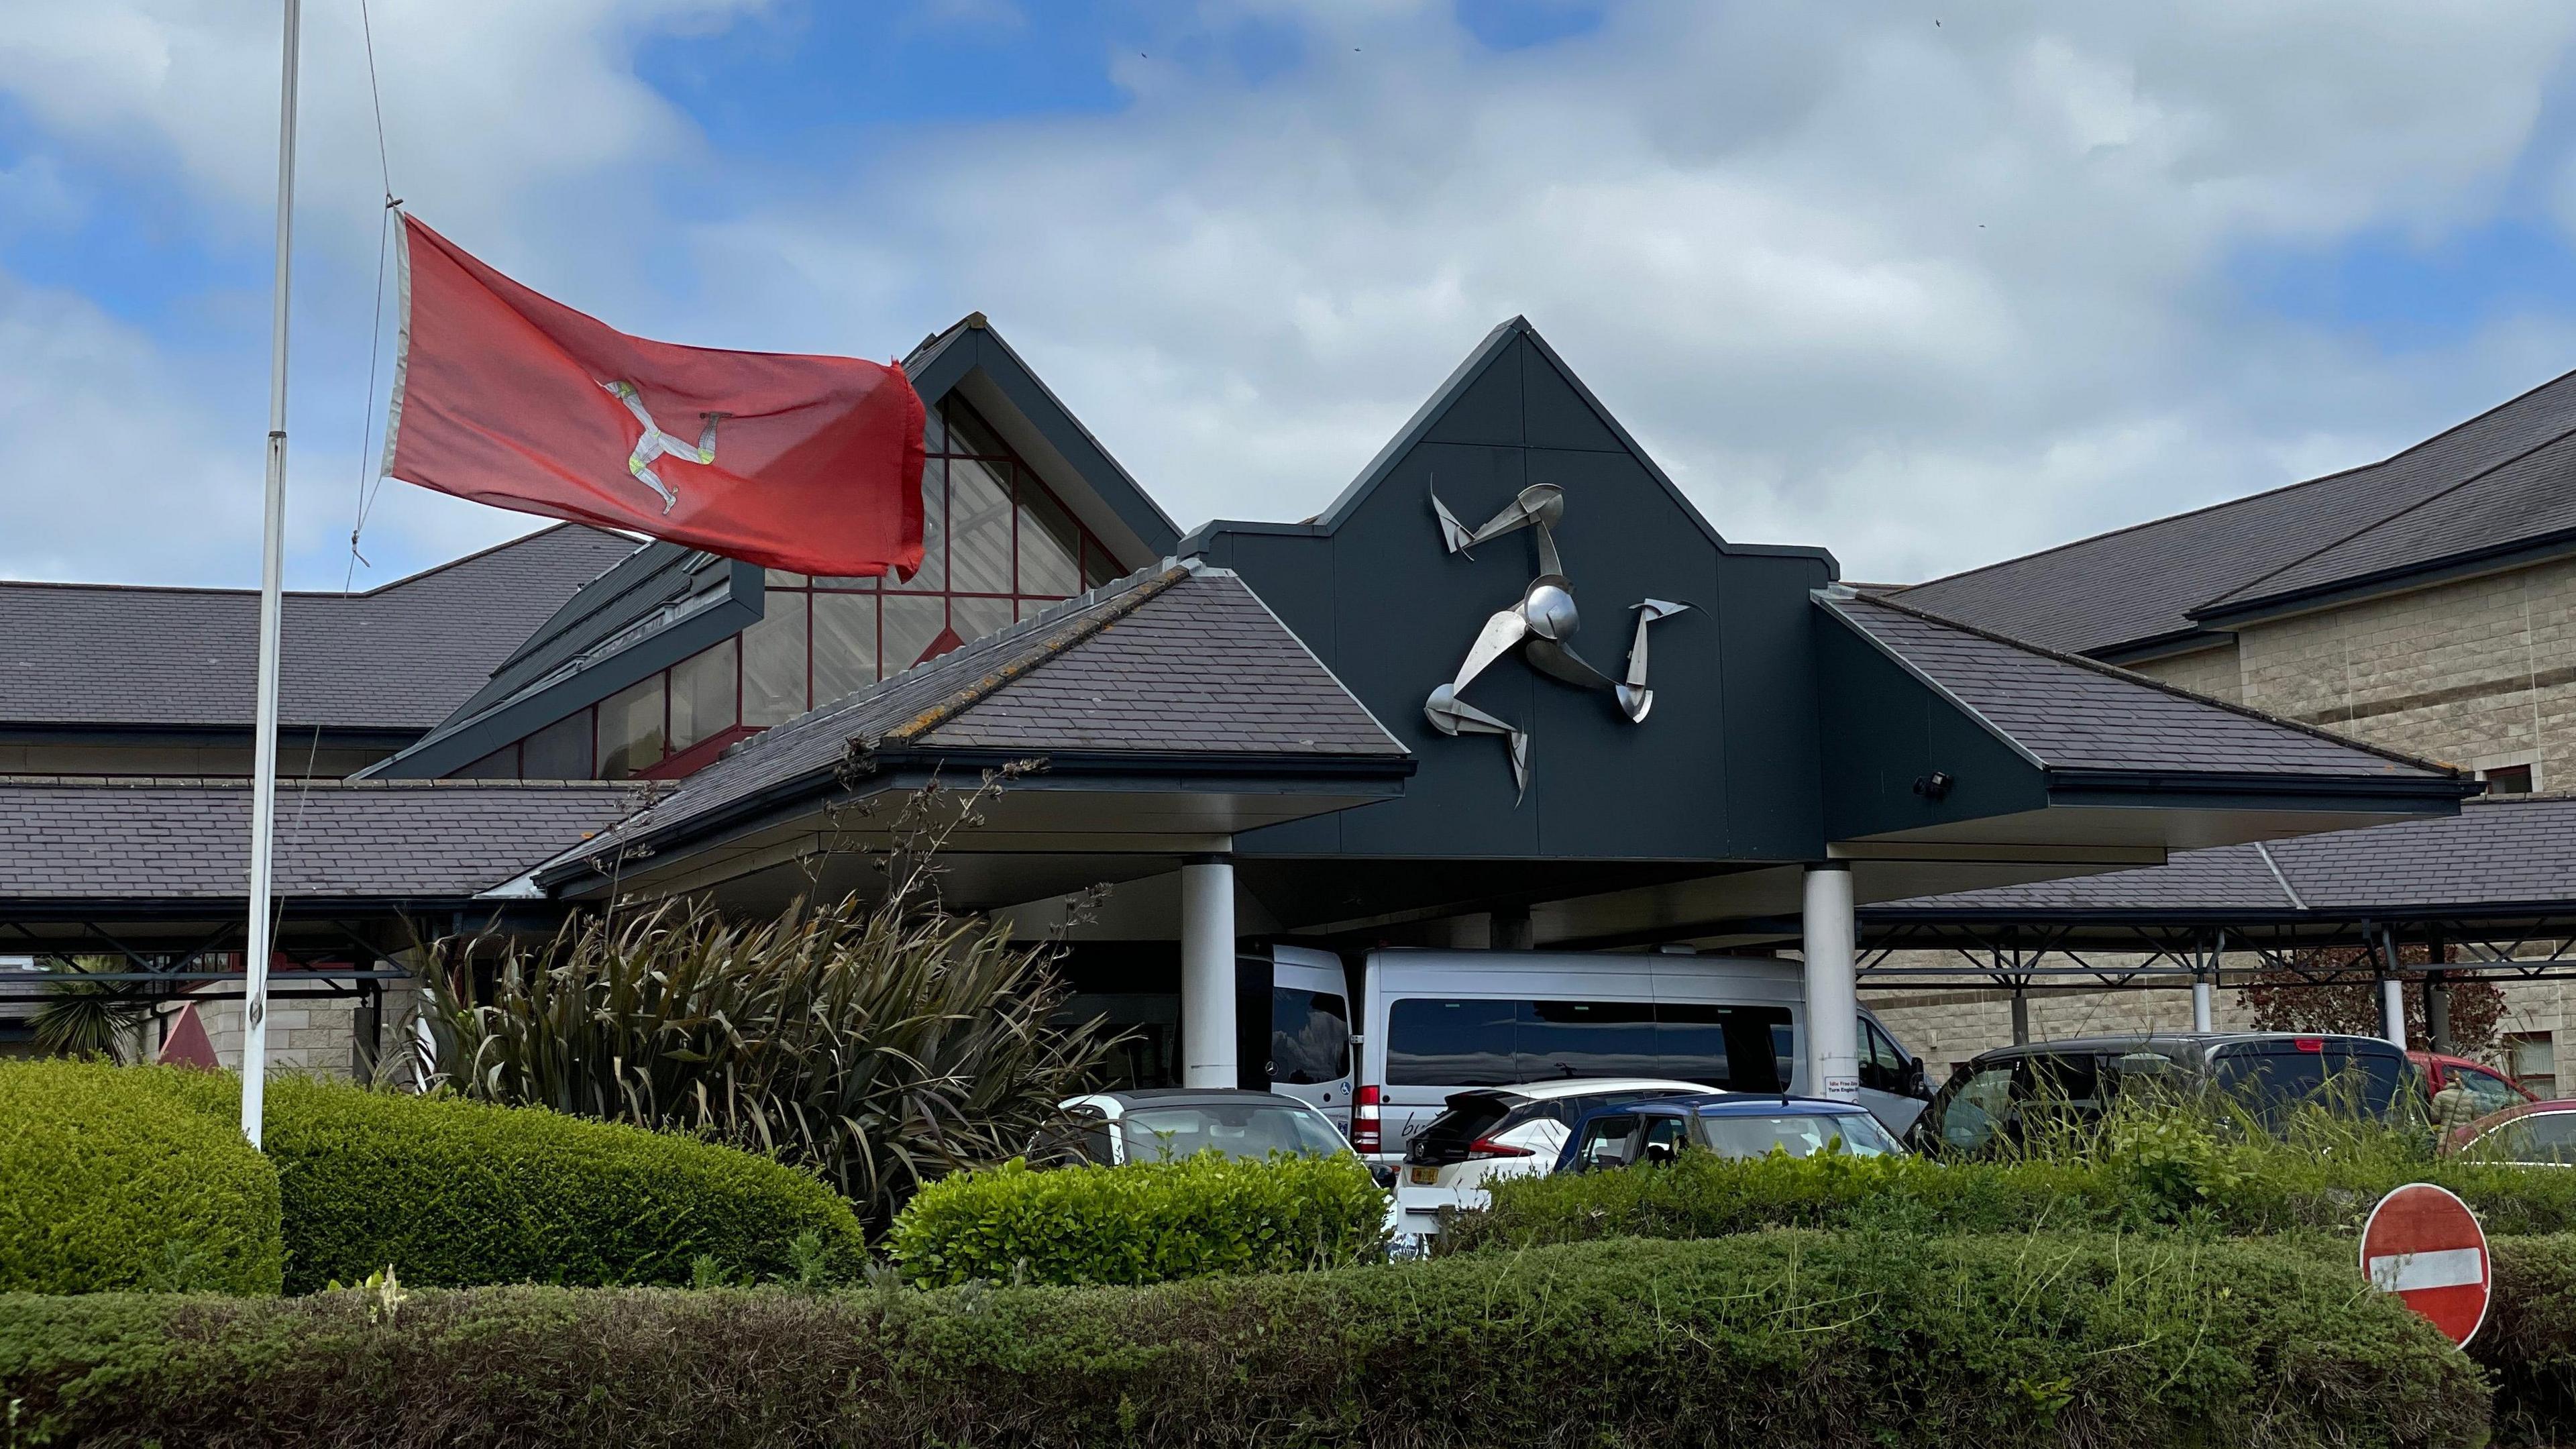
(1918, 1082)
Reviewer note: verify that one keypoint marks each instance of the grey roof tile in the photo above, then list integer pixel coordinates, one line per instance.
(2494, 852)
(1167, 661)
(396, 657)
(2143, 582)
(2074, 713)
(67, 839)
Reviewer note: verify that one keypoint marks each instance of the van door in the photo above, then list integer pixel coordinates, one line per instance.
(1309, 1055)
(1891, 1087)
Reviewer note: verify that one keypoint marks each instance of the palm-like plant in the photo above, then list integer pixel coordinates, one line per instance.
(85, 1018)
(880, 1044)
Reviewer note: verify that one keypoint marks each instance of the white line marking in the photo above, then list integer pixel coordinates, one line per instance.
(2447, 1268)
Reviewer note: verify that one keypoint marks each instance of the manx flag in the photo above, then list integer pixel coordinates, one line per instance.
(509, 398)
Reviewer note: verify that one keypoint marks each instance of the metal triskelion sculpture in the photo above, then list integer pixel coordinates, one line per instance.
(1540, 626)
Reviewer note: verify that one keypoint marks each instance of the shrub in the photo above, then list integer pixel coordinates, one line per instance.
(103, 1185)
(2149, 1170)
(452, 1193)
(1782, 1338)
(1147, 1222)
(878, 1045)
(2529, 1340)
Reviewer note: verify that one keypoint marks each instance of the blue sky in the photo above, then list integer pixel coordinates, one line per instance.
(1928, 294)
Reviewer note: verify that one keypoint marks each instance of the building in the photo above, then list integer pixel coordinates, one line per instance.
(2426, 603)
(1381, 725)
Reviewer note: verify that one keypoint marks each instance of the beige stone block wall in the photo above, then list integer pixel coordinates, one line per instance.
(2213, 672)
(310, 1035)
(2474, 673)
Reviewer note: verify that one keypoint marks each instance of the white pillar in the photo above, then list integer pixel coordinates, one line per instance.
(1207, 972)
(1833, 995)
(2392, 1010)
(2201, 1015)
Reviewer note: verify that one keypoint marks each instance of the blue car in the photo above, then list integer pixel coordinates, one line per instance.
(1730, 1124)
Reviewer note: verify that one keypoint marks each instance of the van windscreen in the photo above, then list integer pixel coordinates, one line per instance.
(1437, 1042)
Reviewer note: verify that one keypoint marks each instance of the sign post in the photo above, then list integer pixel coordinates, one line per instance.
(2424, 1245)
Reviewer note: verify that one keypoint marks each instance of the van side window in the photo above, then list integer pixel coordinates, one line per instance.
(1436, 1043)
(1882, 1066)
(1310, 1037)
(1452, 1043)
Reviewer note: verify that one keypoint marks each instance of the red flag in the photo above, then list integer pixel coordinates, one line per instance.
(509, 398)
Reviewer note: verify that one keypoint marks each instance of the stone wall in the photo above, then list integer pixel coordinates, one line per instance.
(2213, 672)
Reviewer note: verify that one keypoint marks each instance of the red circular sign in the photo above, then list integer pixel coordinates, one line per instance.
(2424, 1245)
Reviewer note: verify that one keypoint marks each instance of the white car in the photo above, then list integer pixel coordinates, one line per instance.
(1494, 1132)
(1160, 1123)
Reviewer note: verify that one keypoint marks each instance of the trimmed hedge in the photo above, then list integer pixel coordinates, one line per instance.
(1149, 1222)
(2529, 1340)
(104, 1187)
(454, 1193)
(1703, 1196)
(1778, 1338)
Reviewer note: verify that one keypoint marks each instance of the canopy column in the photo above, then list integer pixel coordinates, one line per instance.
(1833, 994)
(1207, 972)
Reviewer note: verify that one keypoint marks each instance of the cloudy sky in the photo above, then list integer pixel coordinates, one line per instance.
(1928, 288)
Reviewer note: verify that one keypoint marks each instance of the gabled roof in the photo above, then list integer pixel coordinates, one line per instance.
(67, 840)
(2139, 586)
(1166, 667)
(397, 658)
(2064, 712)
(2516, 851)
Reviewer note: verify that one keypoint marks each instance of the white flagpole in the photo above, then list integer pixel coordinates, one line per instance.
(272, 568)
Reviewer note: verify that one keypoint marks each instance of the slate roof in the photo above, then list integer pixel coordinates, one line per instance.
(2075, 713)
(2497, 852)
(398, 657)
(1169, 662)
(2144, 583)
(87, 839)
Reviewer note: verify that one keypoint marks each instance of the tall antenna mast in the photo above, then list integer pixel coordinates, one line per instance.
(272, 568)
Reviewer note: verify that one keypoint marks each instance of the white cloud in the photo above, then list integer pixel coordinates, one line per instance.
(1925, 295)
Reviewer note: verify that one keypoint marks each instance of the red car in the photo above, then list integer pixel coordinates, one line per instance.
(2494, 1090)
(2539, 1134)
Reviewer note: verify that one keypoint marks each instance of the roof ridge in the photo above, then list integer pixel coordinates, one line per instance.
(235, 591)
(2113, 671)
(320, 782)
(2240, 591)
(2223, 503)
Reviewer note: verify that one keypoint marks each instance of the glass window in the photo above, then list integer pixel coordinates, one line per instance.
(933, 573)
(630, 729)
(974, 618)
(969, 433)
(2275, 1081)
(1734, 1047)
(702, 695)
(1799, 1134)
(2490, 1092)
(773, 661)
(560, 751)
(2533, 1056)
(845, 645)
(1310, 1037)
(1050, 546)
(911, 626)
(1432, 1043)
(1237, 1129)
(784, 578)
(1584, 1039)
(979, 527)
(2508, 780)
(1970, 1110)
(1097, 566)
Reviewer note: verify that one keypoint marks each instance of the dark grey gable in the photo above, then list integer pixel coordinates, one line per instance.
(1371, 588)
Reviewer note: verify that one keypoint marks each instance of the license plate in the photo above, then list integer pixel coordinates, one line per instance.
(1423, 1176)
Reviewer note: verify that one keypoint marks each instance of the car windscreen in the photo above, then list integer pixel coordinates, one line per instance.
(2536, 1137)
(2275, 1078)
(1237, 1129)
(1799, 1134)
(1474, 1042)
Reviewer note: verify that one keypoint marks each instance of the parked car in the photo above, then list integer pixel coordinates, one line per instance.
(2001, 1094)
(1730, 1124)
(1434, 1024)
(1496, 1132)
(2493, 1089)
(2530, 1134)
(1156, 1124)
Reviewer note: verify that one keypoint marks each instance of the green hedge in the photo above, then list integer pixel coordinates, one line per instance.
(1704, 1195)
(104, 1187)
(1779, 1338)
(1143, 1223)
(454, 1193)
(2529, 1340)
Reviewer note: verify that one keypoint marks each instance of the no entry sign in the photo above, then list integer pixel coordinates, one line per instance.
(2424, 1245)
